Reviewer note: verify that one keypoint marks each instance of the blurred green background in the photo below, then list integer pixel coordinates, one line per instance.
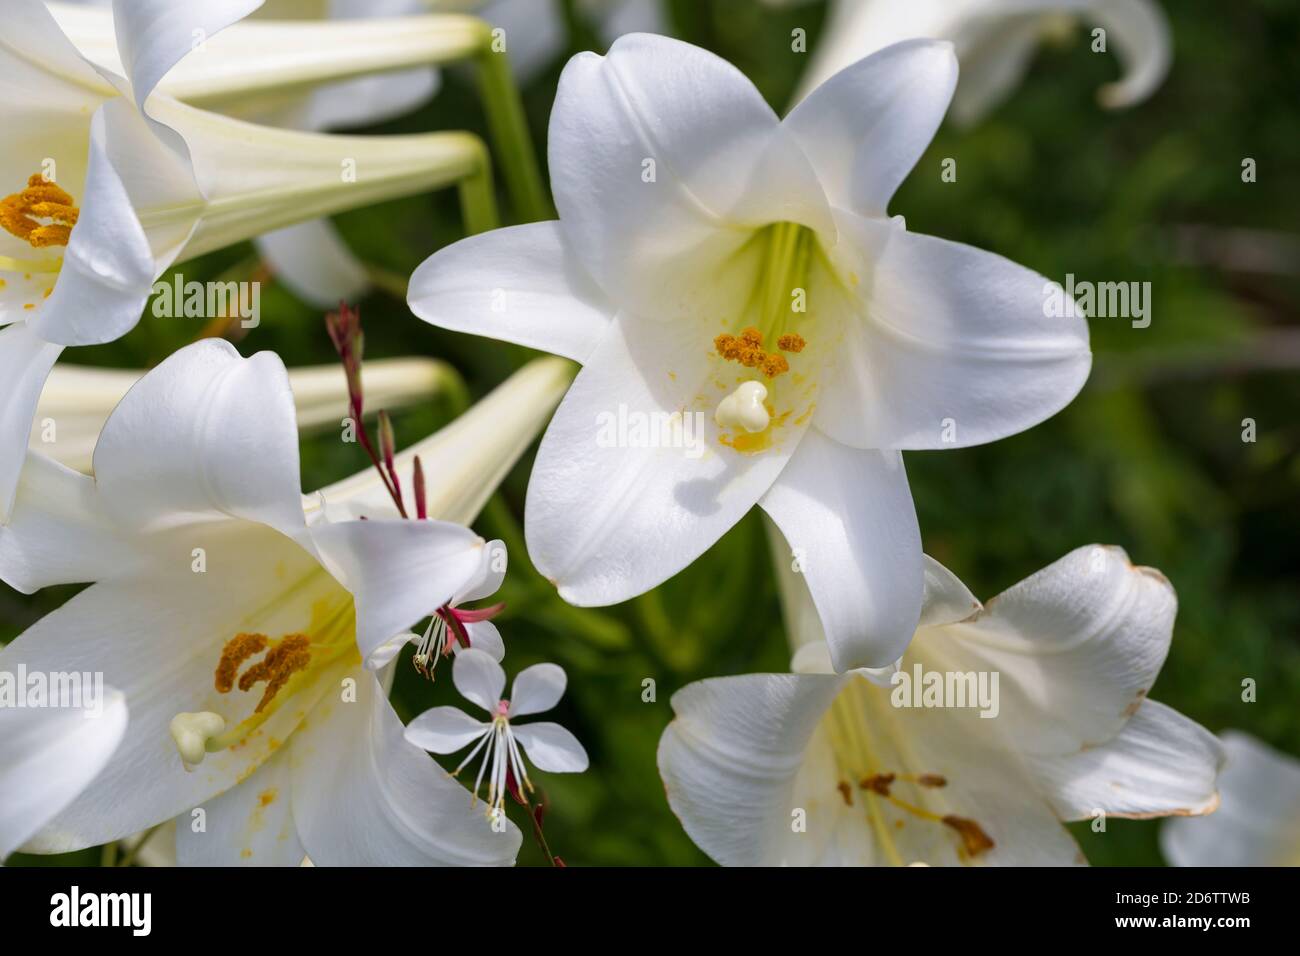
(1150, 456)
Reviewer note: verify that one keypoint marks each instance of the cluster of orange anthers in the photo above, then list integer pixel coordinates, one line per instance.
(41, 215)
(747, 349)
(286, 657)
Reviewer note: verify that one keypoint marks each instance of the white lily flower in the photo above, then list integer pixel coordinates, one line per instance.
(104, 198)
(1258, 823)
(206, 561)
(705, 247)
(817, 768)
(77, 400)
(503, 743)
(995, 41)
(47, 757)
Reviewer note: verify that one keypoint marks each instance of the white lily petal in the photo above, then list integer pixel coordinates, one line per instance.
(484, 636)
(729, 759)
(1143, 41)
(551, 748)
(548, 302)
(48, 756)
(25, 361)
(1160, 764)
(479, 678)
(251, 824)
(952, 346)
(385, 653)
(947, 600)
(605, 521)
(534, 33)
(444, 730)
(848, 514)
(59, 533)
(652, 240)
(312, 260)
(206, 433)
(154, 35)
(1258, 821)
(397, 570)
(995, 53)
(487, 579)
(364, 796)
(1077, 644)
(866, 127)
(537, 689)
(108, 266)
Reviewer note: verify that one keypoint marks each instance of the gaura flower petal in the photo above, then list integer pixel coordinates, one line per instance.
(520, 284)
(865, 128)
(182, 442)
(609, 519)
(537, 689)
(479, 678)
(642, 184)
(444, 730)
(251, 824)
(1160, 764)
(48, 756)
(484, 636)
(384, 800)
(952, 346)
(847, 515)
(551, 747)
(487, 579)
(397, 570)
(1258, 822)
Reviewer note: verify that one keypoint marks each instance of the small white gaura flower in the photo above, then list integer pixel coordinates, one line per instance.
(47, 757)
(995, 41)
(77, 400)
(238, 618)
(1258, 822)
(503, 743)
(817, 768)
(705, 245)
(103, 198)
(535, 33)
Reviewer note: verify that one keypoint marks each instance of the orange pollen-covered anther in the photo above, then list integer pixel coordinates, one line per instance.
(747, 349)
(973, 837)
(288, 656)
(41, 215)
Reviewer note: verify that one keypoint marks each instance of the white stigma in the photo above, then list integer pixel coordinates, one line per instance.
(192, 733)
(744, 408)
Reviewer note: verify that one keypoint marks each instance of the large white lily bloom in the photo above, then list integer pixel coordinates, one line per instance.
(102, 198)
(502, 742)
(1258, 823)
(995, 41)
(237, 617)
(734, 289)
(815, 768)
(77, 400)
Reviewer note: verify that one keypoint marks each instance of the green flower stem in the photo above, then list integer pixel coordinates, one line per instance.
(478, 203)
(509, 131)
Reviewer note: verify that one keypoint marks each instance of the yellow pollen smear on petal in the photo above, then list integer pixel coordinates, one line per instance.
(41, 215)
